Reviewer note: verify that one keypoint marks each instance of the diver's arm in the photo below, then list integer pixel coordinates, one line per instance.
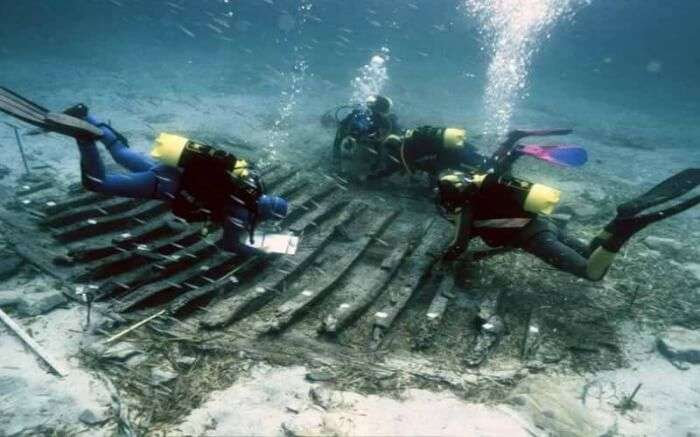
(462, 237)
(335, 159)
(388, 168)
(235, 233)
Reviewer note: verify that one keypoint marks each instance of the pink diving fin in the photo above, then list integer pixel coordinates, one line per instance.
(566, 155)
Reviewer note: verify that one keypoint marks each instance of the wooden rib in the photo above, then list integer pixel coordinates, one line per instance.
(487, 339)
(110, 206)
(349, 253)
(192, 275)
(86, 198)
(34, 188)
(161, 268)
(125, 261)
(149, 232)
(235, 307)
(312, 221)
(346, 312)
(533, 336)
(219, 265)
(145, 212)
(221, 284)
(436, 311)
(407, 280)
(307, 202)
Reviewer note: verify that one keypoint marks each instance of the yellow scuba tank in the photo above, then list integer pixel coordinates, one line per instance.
(457, 187)
(541, 199)
(168, 148)
(171, 149)
(453, 138)
(532, 197)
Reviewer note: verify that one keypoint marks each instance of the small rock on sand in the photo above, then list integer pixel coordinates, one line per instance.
(32, 304)
(162, 375)
(693, 269)
(9, 265)
(663, 244)
(680, 345)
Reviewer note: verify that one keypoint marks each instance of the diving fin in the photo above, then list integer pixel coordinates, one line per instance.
(566, 155)
(675, 186)
(628, 221)
(504, 157)
(23, 109)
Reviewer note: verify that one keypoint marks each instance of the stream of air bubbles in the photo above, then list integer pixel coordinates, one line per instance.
(512, 31)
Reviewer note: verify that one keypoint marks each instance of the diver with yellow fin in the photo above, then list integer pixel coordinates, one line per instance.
(505, 211)
(201, 182)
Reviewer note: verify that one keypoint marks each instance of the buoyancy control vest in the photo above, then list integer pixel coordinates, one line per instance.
(213, 180)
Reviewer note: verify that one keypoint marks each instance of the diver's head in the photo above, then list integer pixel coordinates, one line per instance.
(454, 138)
(379, 104)
(272, 207)
(454, 189)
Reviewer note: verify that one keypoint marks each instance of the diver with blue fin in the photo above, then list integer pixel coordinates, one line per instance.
(201, 182)
(509, 212)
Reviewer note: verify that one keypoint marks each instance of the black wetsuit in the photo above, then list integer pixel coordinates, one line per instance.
(492, 214)
(422, 149)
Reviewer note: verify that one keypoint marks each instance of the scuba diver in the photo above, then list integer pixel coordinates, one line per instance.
(427, 149)
(202, 183)
(433, 150)
(509, 212)
(363, 130)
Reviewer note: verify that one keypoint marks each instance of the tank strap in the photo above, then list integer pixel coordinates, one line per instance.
(504, 223)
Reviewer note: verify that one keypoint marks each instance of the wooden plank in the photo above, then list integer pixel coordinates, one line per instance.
(153, 230)
(115, 223)
(432, 322)
(406, 282)
(164, 266)
(82, 199)
(346, 312)
(33, 345)
(172, 283)
(349, 253)
(109, 206)
(239, 305)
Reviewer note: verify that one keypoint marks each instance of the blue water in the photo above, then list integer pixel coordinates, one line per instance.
(142, 40)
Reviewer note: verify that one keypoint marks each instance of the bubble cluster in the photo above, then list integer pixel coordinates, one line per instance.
(372, 77)
(295, 79)
(512, 30)
(288, 102)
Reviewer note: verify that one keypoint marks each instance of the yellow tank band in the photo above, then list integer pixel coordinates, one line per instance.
(599, 263)
(454, 138)
(541, 199)
(168, 148)
(478, 179)
(241, 169)
(455, 179)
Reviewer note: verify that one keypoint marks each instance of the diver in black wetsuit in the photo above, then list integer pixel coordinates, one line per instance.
(427, 149)
(508, 212)
(364, 129)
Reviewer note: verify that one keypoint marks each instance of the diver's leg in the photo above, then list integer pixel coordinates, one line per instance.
(547, 247)
(121, 153)
(141, 185)
(582, 248)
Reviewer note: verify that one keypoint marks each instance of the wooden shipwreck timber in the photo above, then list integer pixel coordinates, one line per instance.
(361, 278)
